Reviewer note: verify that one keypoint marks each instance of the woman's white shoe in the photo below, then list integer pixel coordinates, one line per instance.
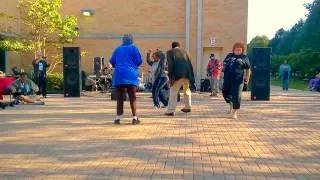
(234, 114)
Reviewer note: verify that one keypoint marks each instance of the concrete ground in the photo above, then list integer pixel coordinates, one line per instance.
(75, 138)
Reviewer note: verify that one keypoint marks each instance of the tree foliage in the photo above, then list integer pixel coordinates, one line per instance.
(45, 26)
(310, 35)
(258, 41)
(300, 45)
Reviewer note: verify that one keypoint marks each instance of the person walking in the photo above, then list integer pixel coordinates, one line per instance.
(235, 65)
(40, 65)
(180, 72)
(214, 69)
(285, 71)
(159, 76)
(126, 60)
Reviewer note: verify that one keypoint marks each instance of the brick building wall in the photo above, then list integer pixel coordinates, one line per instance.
(155, 24)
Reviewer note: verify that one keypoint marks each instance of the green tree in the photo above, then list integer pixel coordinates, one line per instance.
(289, 40)
(303, 35)
(300, 45)
(45, 26)
(258, 41)
(275, 42)
(310, 36)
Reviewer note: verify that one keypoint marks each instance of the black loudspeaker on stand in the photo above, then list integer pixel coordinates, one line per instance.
(3, 60)
(71, 71)
(260, 88)
(98, 64)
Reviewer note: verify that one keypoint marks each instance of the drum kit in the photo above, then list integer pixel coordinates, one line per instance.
(103, 82)
(102, 75)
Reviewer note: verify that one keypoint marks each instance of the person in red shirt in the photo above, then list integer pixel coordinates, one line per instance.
(213, 71)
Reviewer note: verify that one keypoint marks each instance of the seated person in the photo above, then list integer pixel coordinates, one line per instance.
(107, 70)
(314, 84)
(23, 89)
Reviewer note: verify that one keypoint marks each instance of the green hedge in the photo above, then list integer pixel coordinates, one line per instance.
(55, 82)
(304, 63)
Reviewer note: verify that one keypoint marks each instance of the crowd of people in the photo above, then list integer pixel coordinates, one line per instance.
(172, 71)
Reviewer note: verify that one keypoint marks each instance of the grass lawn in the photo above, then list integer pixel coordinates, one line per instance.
(294, 84)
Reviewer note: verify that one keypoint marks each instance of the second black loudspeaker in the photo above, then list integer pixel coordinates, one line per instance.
(260, 88)
(98, 64)
(71, 71)
(3, 60)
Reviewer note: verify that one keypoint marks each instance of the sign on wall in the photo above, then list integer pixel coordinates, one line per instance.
(213, 41)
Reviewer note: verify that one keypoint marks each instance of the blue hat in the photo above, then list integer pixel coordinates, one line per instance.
(127, 39)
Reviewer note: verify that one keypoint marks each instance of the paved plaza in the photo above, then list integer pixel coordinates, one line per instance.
(75, 138)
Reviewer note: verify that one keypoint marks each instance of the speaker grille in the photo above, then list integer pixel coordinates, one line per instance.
(71, 57)
(261, 81)
(72, 78)
(260, 85)
(261, 58)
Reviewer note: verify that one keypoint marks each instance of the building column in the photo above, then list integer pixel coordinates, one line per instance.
(187, 35)
(199, 42)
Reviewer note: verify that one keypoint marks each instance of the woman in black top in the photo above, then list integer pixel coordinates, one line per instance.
(234, 67)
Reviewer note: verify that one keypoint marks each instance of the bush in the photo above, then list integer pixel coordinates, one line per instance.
(305, 62)
(276, 61)
(55, 82)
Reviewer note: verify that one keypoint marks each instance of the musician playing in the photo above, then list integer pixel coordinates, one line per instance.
(213, 71)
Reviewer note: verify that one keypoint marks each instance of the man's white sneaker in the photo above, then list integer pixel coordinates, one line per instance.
(156, 107)
(39, 103)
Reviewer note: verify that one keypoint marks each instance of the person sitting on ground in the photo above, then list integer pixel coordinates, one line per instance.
(23, 89)
(107, 70)
(314, 84)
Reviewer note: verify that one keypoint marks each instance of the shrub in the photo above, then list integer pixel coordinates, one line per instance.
(305, 63)
(55, 82)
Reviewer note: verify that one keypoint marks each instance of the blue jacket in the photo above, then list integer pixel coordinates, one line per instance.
(126, 60)
(284, 68)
